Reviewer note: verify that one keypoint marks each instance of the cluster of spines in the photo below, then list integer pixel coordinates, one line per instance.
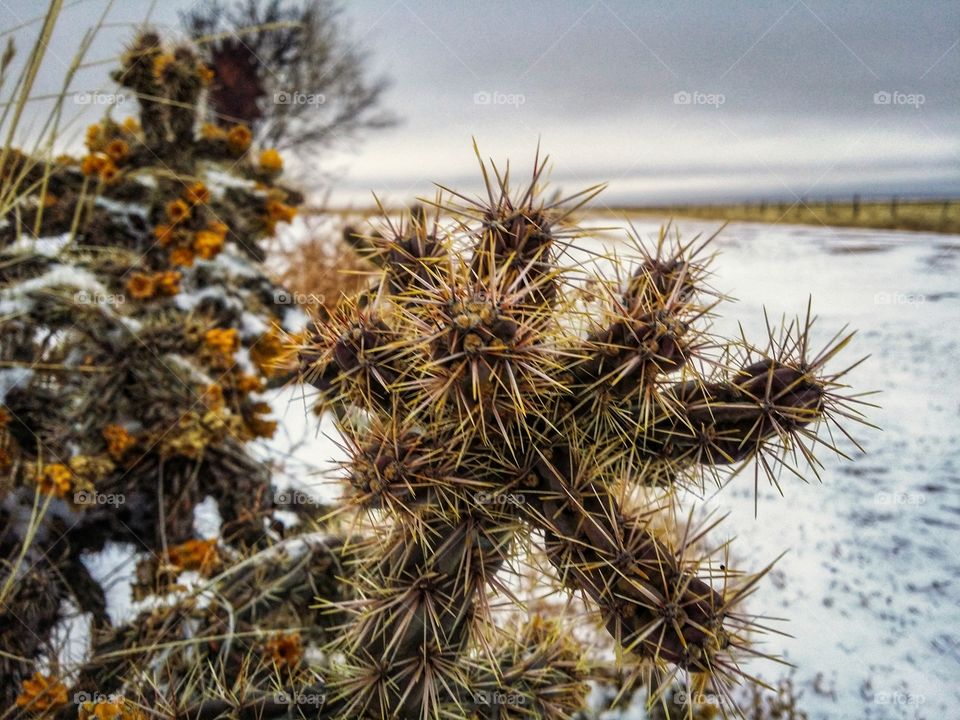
(514, 378)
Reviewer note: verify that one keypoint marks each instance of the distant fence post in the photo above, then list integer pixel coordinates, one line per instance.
(856, 205)
(893, 207)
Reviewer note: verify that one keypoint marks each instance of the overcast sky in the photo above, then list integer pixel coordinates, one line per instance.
(668, 101)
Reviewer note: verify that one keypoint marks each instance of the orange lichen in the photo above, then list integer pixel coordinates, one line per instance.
(269, 352)
(113, 709)
(213, 397)
(164, 234)
(41, 692)
(205, 74)
(55, 479)
(197, 194)
(222, 340)
(246, 384)
(271, 161)
(182, 256)
(239, 138)
(130, 125)
(279, 211)
(207, 244)
(118, 150)
(177, 211)
(93, 164)
(162, 63)
(198, 555)
(109, 172)
(209, 131)
(168, 282)
(285, 649)
(118, 440)
(218, 227)
(261, 428)
(93, 135)
(141, 286)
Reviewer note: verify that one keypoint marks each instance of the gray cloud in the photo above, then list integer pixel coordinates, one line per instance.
(780, 96)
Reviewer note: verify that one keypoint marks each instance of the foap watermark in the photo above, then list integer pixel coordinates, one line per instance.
(94, 697)
(682, 697)
(85, 297)
(900, 498)
(895, 97)
(287, 297)
(494, 97)
(294, 497)
(295, 97)
(300, 699)
(898, 697)
(92, 497)
(499, 697)
(888, 298)
(99, 98)
(684, 97)
(500, 498)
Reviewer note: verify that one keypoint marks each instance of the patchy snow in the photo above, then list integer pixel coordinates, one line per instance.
(304, 449)
(206, 518)
(70, 635)
(13, 377)
(48, 246)
(252, 326)
(294, 319)
(231, 262)
(13, 299)
(869, 585)
(122, 209)
(219, 181)
(188, 300)
(115, 568)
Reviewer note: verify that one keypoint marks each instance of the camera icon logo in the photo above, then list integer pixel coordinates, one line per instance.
(682, 98)
(482, 98)
(882, 97)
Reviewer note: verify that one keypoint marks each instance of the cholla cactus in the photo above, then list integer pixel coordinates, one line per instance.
(499, 400)
(138, 332)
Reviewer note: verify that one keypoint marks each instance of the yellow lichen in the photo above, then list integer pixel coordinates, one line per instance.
(55, 479)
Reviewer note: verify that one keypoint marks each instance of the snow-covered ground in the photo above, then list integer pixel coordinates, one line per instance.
(870, 586)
